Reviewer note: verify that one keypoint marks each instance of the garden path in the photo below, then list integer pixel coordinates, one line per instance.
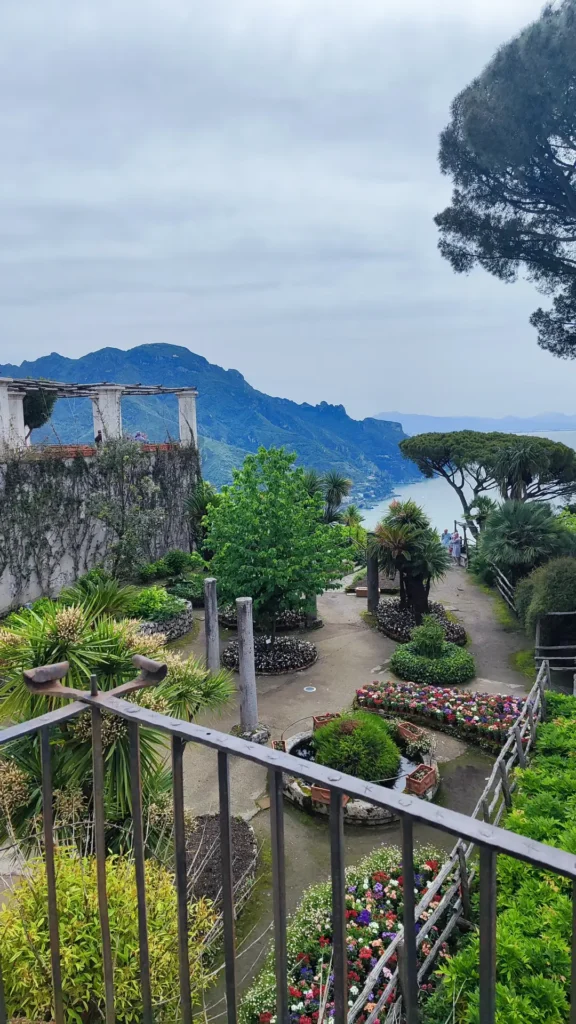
(350, 653)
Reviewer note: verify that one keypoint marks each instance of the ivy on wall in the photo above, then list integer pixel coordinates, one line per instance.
(122, 504)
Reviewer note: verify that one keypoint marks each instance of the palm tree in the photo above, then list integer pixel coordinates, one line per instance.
(336, 488)
(313, 482)
(202, 498)
(520, 535)
(480, 510)
(406, 544)
(519, 466)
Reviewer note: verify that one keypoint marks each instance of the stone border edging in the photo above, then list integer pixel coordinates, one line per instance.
(172, 628)
(356, 812)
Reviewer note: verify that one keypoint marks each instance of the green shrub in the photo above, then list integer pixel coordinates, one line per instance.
(359, 744)
(191, 589)
(155, 604)
(176, 561)
(480, 566)
(26, 944)
(534, 925)
(454, 666)
(428, 639)
(148, 572)
(100, 596)
(550, 588)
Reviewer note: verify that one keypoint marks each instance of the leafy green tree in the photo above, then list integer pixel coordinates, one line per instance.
(202, 498)
(509, 149)
(474, 462)
(269, 541)
(519, 536)
(406, 544)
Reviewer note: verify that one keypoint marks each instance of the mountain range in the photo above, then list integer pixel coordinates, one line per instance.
(233, 417)
(419, 423)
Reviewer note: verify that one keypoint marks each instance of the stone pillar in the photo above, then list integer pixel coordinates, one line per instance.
(211, 625)
(250, 728)
(187, 418)
(5, 411)
(107, 412)
(373, 583)
(17, 425)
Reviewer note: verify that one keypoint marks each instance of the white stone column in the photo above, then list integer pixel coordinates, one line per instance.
(5, 412)
(107, 411)
(250, 728)
(187, 418)
(211, 625)
(17, 425)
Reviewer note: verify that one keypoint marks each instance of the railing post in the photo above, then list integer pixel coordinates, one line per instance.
(340, 962)
(505, 785)
(250, 728)
(410, 973)
(227, 886)
(99, 826)
(373, 581)
(178, 746)
(519, 747)
(47, 816)
(139, 865)
(211, 627)
(487, 935)
(279, 894)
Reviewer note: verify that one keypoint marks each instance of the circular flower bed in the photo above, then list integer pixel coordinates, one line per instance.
(204, 858)
(398, 623)
(286, 655)
(359, 744)
(287, 621)
(454, 665)
(173, 628)
(485, 718)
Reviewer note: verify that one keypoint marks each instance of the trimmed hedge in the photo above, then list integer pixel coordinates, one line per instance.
(550, 588)
(455, 665)
(534, 923)
(359, 744)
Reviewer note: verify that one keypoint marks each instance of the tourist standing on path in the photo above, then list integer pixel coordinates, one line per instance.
(445, 539)
(456, 547)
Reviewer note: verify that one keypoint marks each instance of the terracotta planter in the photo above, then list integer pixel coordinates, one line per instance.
(279, 745)
(422, 778)
(319, 720)
(410, 733)
(322, 796)
(361, 591)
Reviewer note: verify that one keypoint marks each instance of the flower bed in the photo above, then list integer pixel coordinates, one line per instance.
(374, 903)
(173, 628)
(452, 667)
(398, 624)
(483, 718)
(287, 655)
(286, 622)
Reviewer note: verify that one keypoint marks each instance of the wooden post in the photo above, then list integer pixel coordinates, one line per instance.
(247, 669)
(505, 784)
(532, 723)
(211, 627)
(466, 909)
(519, 747)
(485, 811)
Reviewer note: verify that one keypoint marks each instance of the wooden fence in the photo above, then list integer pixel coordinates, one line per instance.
(459, 870)
(504, 587)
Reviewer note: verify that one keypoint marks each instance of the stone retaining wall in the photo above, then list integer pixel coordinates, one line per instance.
(172, 628)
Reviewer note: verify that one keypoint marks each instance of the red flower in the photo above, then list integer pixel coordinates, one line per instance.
(294, 992)
(365, 953)
(303, 957)
(305, 1020)
(324, 941)
(401, 880)
(432, 864)
(380, 876)
(265, 1018)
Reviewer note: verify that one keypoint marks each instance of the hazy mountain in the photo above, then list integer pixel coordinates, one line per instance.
(419, 423)
(233, 418)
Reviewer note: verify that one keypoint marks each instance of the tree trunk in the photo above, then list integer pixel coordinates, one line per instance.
(417, 598)
(403, 594)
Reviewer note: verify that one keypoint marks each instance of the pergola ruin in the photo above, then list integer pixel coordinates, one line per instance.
(106, 406)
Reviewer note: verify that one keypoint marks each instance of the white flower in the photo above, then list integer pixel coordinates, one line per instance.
(294, 1007)
(350, 1002)
(354, 990)
(374, 926)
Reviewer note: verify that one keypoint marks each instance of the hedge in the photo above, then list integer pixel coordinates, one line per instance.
(455, 665)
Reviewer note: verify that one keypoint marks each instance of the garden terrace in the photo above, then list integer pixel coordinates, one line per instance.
(490, 839)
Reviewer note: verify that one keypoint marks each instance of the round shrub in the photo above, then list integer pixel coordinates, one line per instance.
(286, 655)
(176, 561)
(189, 588)
(398, 623)
(428, 639)
(26, 943)
(454, 666)
(358, 744)
(155, 604)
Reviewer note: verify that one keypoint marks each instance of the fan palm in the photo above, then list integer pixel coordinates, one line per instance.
(99, 597)
(313, 482)
(521, 535)
(518, 466)
(336, 488)
(202, 498)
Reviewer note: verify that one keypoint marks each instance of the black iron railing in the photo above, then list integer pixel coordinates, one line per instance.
(490, 840)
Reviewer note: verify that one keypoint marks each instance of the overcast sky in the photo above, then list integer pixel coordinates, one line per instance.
(256, 179)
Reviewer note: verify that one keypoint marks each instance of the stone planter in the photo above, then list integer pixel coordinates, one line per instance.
(423, 778)
(319, 720)
(316, 799)
(410, 733)
(172, 628)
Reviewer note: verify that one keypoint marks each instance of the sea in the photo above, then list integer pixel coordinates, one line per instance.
(437, 498)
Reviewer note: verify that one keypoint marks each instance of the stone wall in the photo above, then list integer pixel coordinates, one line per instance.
(50, 532)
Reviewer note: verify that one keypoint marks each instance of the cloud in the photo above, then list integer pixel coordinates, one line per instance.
(256, 181)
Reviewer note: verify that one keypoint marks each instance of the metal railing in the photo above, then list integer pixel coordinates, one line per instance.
(490, 840)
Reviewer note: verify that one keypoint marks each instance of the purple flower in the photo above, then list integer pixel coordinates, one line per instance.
(364, 917)
(378, 887)
(352, 888)
(389, 935)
